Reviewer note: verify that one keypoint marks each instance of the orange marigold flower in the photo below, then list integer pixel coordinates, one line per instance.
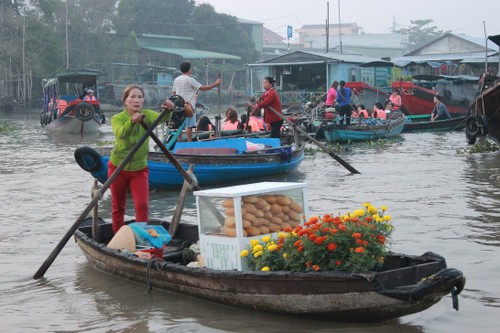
(342, 227)
(297, 243)
(300, 249)
(359, 241)
(369, 219)
(338, 263)
(356, 235)
(312, 237)
(326, 230)
(334, 231)
(332, 246)
(287, 229)
(302, 233)
(308, 263)
(313, 219)
(319, 241)
(359, 249)
(316, 267)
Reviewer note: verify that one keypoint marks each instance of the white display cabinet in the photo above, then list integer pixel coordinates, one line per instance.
(229, 217)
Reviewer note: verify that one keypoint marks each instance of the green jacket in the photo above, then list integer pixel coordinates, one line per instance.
(127, 135)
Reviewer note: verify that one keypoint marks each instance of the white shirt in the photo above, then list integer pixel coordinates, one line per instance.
(186, 87)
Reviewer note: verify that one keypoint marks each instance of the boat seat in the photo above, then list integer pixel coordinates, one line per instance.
(206, 151)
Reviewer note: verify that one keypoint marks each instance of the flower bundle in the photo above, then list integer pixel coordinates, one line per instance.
(353, 242)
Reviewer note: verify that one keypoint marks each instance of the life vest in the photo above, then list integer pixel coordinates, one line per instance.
(61, 106)
(229, 126)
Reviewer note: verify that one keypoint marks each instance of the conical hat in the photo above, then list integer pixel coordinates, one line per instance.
(124, 239)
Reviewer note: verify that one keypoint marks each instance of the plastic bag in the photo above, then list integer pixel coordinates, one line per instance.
(143, 237)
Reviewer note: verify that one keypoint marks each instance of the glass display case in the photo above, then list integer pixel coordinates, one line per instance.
(230, 217)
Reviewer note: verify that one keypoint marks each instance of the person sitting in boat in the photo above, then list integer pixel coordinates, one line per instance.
(395, 99)
(256, 122)
(361, 112)
(61, 105)
(388, 106)
(232, 122)
(440, 111)
(378, 111)
(90, 96)
(204, 124)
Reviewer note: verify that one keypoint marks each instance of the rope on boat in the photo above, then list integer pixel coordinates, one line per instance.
(148, 272)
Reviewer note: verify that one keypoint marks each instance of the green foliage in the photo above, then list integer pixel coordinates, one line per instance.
(420, 33)
(4, 127)
(484, 147)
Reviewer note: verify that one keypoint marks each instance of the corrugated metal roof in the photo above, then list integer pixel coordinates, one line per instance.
(192, 53)
(317, 57)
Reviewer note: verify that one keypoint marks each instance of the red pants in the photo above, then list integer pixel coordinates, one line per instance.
(137, 182)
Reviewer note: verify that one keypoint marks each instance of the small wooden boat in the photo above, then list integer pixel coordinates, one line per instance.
(405, 284)
(64, 111)
(220, 161)
(422, 123)
(484, 115)
(365, 129)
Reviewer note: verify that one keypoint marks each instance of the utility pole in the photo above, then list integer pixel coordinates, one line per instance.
(340, 29)
(327, 25)
(67, 45)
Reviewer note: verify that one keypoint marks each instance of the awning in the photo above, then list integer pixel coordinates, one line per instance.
(192, 53)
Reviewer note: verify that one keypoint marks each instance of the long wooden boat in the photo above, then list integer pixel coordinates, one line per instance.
(484, 115)
(64, 111)
(422, 123)
(220, 161)
(418, 99)
(365, 129)
(406, 284)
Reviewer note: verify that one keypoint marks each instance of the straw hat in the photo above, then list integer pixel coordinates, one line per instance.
(124, 239)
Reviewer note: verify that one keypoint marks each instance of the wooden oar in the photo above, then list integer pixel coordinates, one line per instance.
(98, 195)
(179, 207)
(218, 93)
(319, 144)
(192, 182)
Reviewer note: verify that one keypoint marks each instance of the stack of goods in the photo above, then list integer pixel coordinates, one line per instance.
(262, 214)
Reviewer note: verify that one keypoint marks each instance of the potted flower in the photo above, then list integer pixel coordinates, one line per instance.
(352, 242)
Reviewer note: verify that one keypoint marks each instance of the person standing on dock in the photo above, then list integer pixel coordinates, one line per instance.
(187, 87)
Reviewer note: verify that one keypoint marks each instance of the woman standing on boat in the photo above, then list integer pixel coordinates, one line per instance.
(344, 103)
(127, 129)
(271, 104)
(331, 95)
(395, 99)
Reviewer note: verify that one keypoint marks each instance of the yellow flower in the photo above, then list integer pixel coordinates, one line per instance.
(387, 218)
(371, 210)
(265, 269)
(244, 253)
(257, 248)
(272, 247)
(285, 255)
(281, 234)
(257, 254)
(367, 204)
(379, 220)
(375, 216)
(383, 208)
(359, 212)
(266, 239)
(254, 242)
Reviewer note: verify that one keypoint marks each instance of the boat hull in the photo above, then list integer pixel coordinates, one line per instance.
(213, 169)
(372, 296)
(485, 114)
(364, 131)
(415, 124)
(73, 125)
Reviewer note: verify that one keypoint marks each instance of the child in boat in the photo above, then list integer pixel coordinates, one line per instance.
(204, 124)
(378, 111)
(256, 121)
(232, 122)
(361, 111)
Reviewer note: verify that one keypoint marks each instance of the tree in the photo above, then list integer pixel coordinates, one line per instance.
(420, 33)
(221, 33)
(161, 17)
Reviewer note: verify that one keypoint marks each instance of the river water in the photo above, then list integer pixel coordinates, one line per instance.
(440, 201)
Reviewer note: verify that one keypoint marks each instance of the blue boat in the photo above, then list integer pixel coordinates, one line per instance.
(365, 129)
(218, 161)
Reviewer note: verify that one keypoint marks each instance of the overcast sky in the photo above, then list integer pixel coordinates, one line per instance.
(374, 16)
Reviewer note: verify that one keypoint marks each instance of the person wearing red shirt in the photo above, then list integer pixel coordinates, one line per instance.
(270, 99)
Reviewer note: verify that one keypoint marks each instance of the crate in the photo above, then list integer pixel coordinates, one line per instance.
(230, 217)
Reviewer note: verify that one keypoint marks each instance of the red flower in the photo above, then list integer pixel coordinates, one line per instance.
(356, 235)
(359, 249)
(332, 246)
